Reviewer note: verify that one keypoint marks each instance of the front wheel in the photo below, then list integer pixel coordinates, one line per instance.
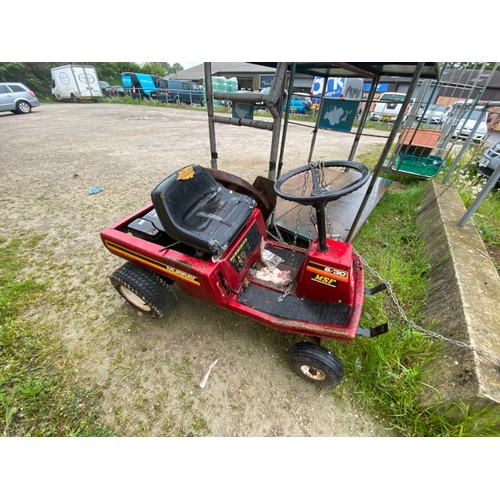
(146, 291)
(316, 364)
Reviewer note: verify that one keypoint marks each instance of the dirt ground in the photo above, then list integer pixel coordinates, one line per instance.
(149, 369)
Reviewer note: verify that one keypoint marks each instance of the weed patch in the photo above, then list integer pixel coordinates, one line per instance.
(38, 392)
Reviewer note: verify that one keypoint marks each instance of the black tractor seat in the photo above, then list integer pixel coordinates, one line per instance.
(198, 211)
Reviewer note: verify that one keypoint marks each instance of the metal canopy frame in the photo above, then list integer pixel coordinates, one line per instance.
(275, 101)
(362, 69)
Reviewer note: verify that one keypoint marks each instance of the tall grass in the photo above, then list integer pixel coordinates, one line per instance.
(387, 373)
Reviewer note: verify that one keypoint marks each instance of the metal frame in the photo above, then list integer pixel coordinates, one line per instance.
(274, 101)
(469, 90)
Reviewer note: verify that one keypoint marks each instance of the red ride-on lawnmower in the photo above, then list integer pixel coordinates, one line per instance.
(212, 242)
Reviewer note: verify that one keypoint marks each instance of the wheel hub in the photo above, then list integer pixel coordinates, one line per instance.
(134, 299)
(312, 373)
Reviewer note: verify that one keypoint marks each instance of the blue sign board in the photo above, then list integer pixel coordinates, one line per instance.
(338, 115)
(381, 87)
(265, 81)
(242, 110)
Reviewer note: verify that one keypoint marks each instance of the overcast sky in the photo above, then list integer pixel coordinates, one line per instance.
(186, 65)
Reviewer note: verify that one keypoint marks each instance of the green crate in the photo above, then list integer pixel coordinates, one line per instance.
(422, 165)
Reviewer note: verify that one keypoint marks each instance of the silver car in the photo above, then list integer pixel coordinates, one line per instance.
(16, 97)
(435, 113)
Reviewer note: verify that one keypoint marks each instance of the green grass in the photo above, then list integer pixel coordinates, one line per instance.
(151, 103)
(387, 373)
(38, 392)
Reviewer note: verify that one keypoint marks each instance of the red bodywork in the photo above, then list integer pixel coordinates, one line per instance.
(334, 277)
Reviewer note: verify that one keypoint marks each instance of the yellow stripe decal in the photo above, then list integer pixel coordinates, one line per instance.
(165, 268)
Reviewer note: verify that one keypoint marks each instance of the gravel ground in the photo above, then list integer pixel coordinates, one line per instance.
(149, 369)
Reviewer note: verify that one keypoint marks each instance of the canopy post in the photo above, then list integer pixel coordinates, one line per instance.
(387, 148)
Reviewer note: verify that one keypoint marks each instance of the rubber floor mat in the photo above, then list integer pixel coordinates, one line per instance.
(295, 308)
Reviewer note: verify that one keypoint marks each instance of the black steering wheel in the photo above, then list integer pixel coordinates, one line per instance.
(320, 196)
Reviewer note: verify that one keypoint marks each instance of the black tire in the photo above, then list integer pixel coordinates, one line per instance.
(145, 290)
(316, 364)
(23, 107)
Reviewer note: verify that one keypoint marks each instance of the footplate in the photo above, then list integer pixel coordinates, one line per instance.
(374, 332)
(376, 289)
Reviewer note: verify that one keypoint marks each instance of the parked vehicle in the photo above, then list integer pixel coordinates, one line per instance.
(463, 122)
(436, 113)
(111, 90)
(140, 85)
(104, 85)
(179, 92)
(17, 98)
(76, 83)
(205, 233)
(388, 107)
(489, 161)
(299, 103)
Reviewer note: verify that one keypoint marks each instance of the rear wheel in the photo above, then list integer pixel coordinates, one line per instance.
(146, 291)
(316, 364)
(23, 107)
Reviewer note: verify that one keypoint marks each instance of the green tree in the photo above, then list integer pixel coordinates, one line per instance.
(171, 69)
(111, 71)
(153, 68)
(35, 75)
(10, 68)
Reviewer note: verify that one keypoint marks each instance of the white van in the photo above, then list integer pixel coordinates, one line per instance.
(388, 107)
(76, 83)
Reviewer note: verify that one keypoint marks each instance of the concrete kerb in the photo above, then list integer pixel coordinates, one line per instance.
(462, 303)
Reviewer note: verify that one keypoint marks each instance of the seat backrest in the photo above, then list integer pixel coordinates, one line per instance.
(185, 188)
(196, 210)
